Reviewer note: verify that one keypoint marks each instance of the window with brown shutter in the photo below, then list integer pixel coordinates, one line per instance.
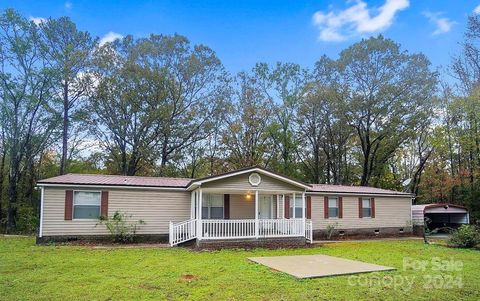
(68, 205)
(286, 206)
(104, 204)
(340, 207)
(226, 206)
(309, 207)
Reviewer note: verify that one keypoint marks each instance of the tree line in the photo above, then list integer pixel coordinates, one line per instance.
(377, 115)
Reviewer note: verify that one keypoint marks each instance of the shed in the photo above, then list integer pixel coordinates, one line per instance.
(441, 215)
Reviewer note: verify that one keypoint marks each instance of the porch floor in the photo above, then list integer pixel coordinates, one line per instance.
(312, 266)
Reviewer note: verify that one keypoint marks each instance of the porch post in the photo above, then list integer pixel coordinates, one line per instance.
(303, 212)
(256, 213)
(293, 206)
(192, 204)
(199, 214)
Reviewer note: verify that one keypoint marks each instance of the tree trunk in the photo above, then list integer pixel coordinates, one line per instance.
(12, 195)
(2, 172)
(66, 107)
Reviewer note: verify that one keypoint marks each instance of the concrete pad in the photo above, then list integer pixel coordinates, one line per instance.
(312, 266)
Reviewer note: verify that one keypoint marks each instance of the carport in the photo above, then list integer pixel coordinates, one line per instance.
(440, 215)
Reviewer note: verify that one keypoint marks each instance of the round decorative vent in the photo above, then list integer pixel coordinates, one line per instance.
(254, 179)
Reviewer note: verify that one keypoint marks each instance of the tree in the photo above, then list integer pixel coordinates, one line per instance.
(390, 91)
(246, 138)
(27, 116)
(326, 136)
(68, 50)
(155, 97)
(283, 85)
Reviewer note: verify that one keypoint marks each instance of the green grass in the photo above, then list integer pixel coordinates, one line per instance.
(31, 272)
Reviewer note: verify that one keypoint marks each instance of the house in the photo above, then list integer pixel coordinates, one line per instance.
(246, 206)
(439, 216)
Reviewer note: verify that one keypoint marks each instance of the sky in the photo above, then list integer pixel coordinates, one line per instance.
(245, 32)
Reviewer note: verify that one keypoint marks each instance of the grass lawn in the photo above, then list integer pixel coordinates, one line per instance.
(31, 272)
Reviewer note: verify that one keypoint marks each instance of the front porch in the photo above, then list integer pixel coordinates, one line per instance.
(228, 214)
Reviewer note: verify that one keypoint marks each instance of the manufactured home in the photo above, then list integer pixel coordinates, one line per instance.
(248, 206)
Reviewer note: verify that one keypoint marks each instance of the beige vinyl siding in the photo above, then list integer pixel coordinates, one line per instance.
(157, 208)
(243, 208)
(241, 182)
(389, 212)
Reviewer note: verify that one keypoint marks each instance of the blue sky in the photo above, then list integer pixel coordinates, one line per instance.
(245, 32)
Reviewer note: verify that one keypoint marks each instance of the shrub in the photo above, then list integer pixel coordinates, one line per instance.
(466, 236)
(330, 229)
(120, 228)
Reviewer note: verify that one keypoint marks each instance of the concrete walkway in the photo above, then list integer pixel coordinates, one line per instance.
(312, 266)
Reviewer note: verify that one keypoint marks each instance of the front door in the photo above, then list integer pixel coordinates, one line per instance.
(265, 205)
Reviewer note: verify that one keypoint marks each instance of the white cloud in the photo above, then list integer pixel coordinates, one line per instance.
(37, 20)
(110, 37)
(357, 19)
(68, 5)
(476, 10)
(443, 24)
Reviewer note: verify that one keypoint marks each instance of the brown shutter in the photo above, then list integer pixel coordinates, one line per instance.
(325, 207)
(360, 213)
(309, 207)
(372, 204)
(226, 206)
(340, 207)
(104, 204)
(286, 206)
(68, 205)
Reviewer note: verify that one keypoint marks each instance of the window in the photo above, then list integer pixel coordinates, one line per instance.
(86, 205)
(297, 207)
(212, 206)
(332, 207)
(366, 207)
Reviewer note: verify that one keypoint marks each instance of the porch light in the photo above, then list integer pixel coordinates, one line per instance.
(248, 196)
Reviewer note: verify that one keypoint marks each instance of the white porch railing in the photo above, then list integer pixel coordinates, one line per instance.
(182, 232)
(245, 228)
(309, 231)
(224, 229)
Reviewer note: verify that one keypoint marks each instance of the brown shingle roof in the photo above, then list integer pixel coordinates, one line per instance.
(86, 179)
(353, 189)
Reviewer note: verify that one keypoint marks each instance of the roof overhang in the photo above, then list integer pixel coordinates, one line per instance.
(197, 183)
(98, 186)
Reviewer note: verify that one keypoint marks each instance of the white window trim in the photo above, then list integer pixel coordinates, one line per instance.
(337, 198)
(370, 206)
(205, 201)
(293, 205)
(73, 206)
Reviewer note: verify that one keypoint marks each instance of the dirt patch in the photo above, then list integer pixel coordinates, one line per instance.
(188, 277)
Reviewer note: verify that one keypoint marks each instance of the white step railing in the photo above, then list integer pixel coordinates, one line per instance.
(309, 231)
(182, 232)
(245, 228)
